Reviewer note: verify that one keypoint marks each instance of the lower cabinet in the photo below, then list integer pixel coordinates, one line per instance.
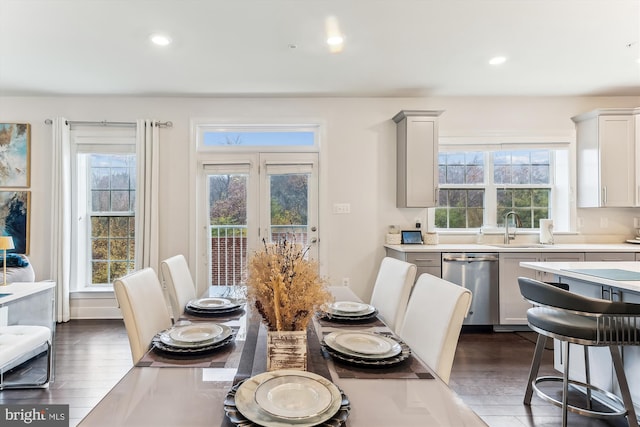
(426, 262)
(513, 308)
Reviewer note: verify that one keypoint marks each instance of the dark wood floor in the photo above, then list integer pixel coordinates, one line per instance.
(489, 374)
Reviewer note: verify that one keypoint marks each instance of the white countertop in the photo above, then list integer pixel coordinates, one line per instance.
(517, 247)
(564, 269)
(19, 290)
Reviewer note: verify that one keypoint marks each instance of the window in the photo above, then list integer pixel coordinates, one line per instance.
(104, 202)
(478, 188)
(111, 216)
(250, 138)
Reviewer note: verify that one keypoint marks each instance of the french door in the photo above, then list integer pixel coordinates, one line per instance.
(246, 200)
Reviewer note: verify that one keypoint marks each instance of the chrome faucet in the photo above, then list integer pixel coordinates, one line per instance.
(518, 223)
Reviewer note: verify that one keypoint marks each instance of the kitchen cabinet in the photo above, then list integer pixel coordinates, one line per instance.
(513, 307)
(610, 256)
(426, 262)
(417, 158)
(607, 158)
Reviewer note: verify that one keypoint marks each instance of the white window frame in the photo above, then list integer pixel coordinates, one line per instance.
(87, 141)
(563, 180)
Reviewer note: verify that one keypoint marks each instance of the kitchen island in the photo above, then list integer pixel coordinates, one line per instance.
(617, 281)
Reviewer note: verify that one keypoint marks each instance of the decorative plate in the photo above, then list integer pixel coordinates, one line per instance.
(295, 397)
(189, 351)
(363, 345)
(211, 314)
(211, 303)
(404, 354)
(351, 308)
(249, 408)
(238, 419)
(333, 317)
(195, 333)
(167, 339)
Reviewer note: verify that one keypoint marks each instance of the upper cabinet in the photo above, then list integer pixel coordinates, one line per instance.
(607, 158)
(417, 158)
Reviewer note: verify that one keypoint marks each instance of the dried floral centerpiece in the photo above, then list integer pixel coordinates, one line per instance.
(286, 289)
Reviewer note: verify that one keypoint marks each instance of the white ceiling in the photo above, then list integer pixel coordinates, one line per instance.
(392, 47)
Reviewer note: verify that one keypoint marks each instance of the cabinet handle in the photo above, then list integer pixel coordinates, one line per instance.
(424, 259)
(604, 195)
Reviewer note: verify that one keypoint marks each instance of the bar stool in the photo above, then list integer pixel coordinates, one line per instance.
(573, 318)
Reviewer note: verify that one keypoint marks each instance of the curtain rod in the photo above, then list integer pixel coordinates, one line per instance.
(166, 124)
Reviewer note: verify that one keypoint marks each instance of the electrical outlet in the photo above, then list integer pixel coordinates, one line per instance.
(345, 281)
(604, 222)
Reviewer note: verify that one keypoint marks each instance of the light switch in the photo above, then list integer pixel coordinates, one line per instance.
(341, 208)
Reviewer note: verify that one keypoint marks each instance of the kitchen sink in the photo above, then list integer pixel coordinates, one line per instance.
(519, 245)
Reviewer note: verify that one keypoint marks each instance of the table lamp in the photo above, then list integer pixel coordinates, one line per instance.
(6, 242)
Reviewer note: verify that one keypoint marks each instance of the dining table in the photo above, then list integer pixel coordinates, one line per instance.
(192, 393)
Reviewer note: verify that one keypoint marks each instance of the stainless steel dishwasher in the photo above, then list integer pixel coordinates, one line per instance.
(479, 273)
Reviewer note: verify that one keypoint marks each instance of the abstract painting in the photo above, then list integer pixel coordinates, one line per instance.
(14, 218)
(15, 139)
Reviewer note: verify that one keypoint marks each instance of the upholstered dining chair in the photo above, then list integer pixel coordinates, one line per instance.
(143, 307)
(433, 321)
(391, 290)
(590, 322)
(179, 283)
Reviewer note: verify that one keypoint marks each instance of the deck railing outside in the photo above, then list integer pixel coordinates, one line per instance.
(229, 250)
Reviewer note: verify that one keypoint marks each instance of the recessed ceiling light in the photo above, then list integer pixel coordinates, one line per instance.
(497, 60)
(335, 39)
(638, 60)
(160, 39)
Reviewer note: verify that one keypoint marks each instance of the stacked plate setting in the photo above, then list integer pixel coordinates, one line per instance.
(366, 348)
(350, 311)
(212, 306)
(194, 338)
(287, 397)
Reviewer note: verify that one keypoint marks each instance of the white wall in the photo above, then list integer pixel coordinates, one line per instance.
(358, 163)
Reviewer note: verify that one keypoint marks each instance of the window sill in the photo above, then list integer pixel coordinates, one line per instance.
(105, 293)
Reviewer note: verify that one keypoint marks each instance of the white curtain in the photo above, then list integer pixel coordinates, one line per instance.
(61, 217)
(147, 194)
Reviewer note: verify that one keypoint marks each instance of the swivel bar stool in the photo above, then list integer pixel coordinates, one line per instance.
(573, 318)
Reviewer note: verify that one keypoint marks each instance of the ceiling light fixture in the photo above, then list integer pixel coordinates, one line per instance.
(335, 38)
(160, 39)
(497, 60)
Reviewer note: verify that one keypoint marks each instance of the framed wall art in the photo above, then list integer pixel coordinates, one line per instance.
(14, 218)
(15, 147)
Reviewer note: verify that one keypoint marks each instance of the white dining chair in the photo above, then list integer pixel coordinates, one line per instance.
(179, 283)
(143, 307)
(433, 321)
(391, 290)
